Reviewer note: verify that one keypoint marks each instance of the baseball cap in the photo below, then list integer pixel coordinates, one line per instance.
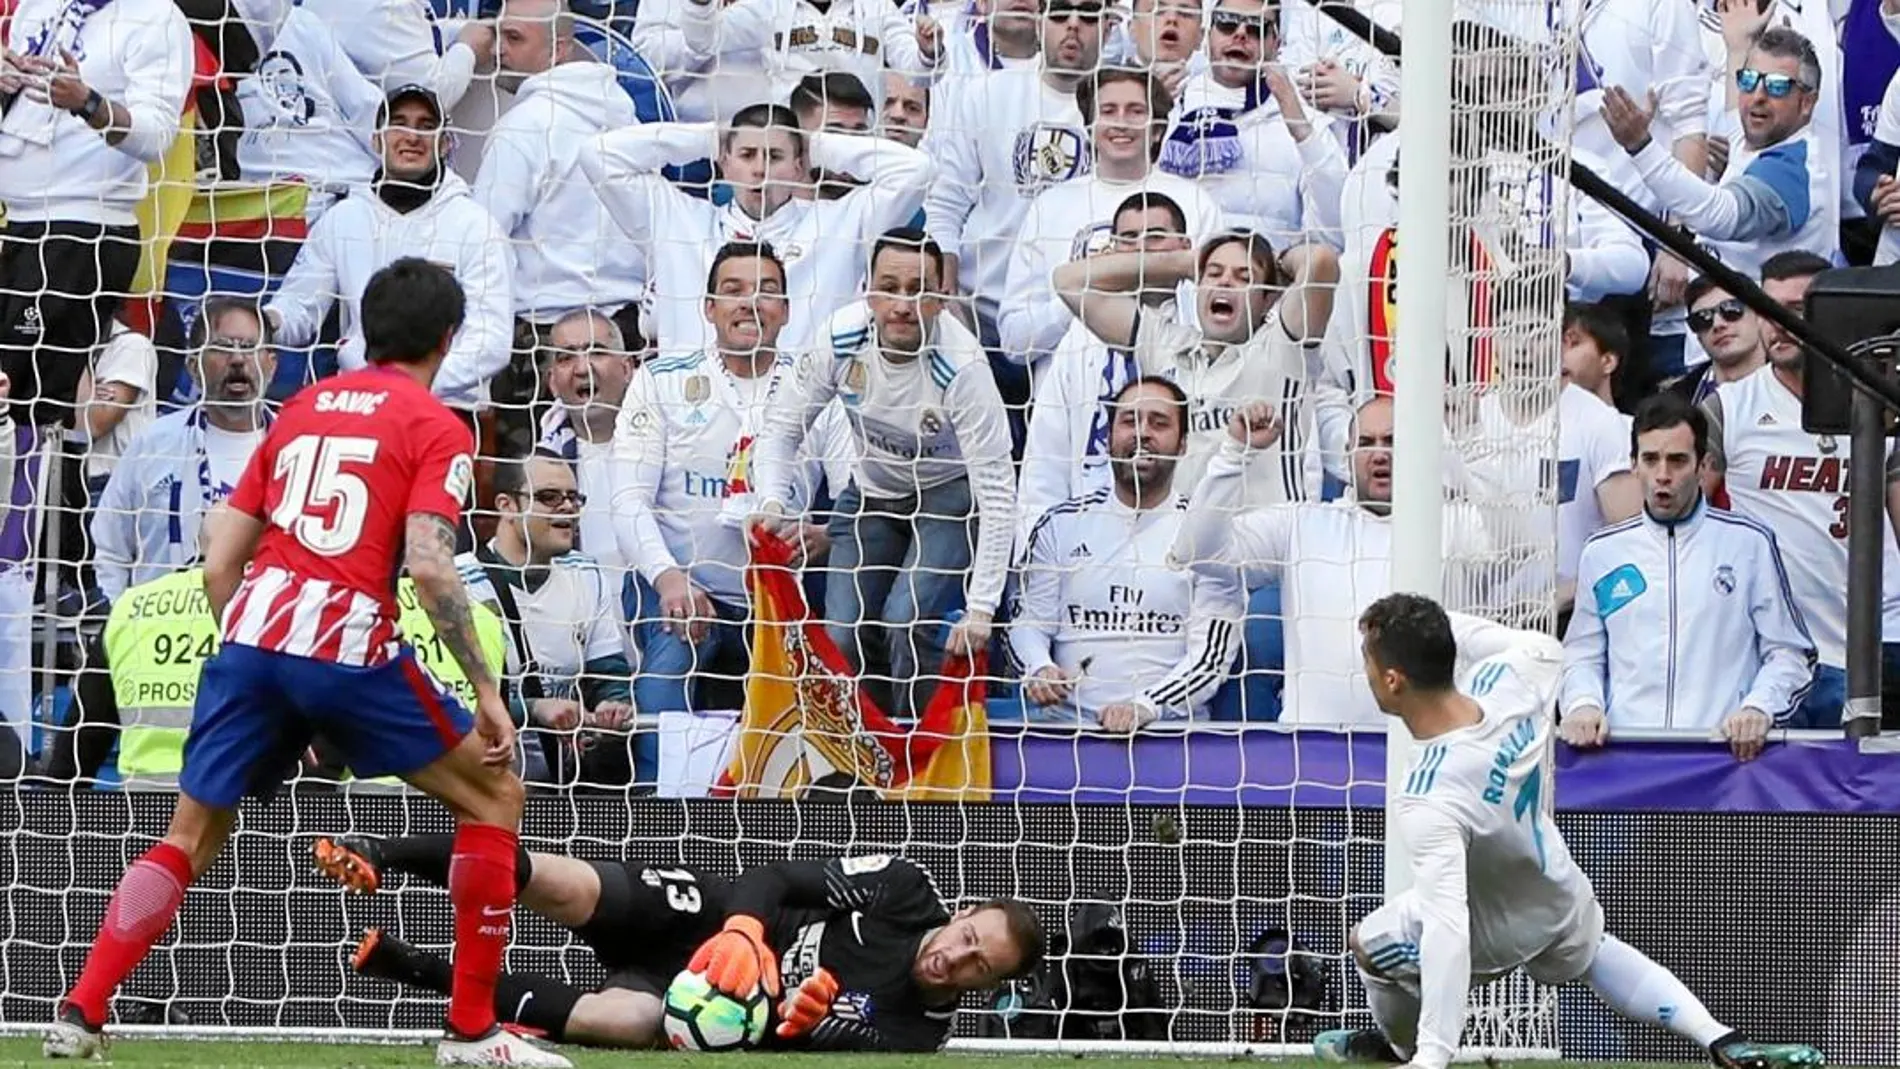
(411, 91)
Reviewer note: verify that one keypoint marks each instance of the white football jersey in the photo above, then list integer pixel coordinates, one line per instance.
(1472, 813)
(1099, 599)
(569, 616)
(916, 423)
(1795, 484)
(1270, 367)
(683, 446)
(1523, 888)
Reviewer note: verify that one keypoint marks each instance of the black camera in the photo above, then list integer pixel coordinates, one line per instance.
(1288, 983)
(1088, 987)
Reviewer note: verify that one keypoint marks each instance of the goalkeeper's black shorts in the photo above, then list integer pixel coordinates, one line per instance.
(650, 919)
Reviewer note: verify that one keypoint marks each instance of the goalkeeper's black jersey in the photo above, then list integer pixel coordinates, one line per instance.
(863, 918)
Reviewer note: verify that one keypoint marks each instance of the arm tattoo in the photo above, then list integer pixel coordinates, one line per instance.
(432, 540)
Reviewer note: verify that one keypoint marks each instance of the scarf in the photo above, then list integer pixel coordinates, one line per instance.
(1206, 139)
(28, 121)
(404, 195)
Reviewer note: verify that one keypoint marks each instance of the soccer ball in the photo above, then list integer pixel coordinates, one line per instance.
(697, 1017)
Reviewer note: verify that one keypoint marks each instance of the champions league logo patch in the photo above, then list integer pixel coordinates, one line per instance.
(1046, 154)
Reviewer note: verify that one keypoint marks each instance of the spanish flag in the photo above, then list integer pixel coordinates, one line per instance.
(1382, 307)
(806, 718)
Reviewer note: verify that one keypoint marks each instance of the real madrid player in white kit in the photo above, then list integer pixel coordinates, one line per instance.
(1494, 886)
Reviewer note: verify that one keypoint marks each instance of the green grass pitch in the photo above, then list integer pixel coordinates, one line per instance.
(160, 1054)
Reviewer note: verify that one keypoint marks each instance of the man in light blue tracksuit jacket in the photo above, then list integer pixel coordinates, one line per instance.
(173, 473)
(1683, 616)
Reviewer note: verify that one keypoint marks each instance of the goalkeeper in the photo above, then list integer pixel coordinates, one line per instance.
(863, 950)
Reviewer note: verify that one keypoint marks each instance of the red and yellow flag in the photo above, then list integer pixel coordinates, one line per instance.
(806, 717)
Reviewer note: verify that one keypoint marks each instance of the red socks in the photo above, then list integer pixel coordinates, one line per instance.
(482, 889)
(141, 910)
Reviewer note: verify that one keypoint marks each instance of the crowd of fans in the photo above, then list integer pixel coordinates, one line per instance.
(1054, 328)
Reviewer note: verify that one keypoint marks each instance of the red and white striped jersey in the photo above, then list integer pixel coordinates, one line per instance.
(345, 464)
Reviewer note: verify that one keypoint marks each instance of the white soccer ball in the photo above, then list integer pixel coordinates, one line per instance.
(697, 1017)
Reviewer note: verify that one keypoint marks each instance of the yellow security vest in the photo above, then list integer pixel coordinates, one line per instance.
(157, 638)
(160, 634)
(420, 631)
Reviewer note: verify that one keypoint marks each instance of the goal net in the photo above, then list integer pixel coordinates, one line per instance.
(1197, 880)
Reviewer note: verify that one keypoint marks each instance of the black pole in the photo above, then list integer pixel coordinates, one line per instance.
(1676, 240)
(1867, 537)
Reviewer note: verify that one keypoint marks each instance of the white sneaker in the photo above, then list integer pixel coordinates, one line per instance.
(499, 1047)
(68, 1037)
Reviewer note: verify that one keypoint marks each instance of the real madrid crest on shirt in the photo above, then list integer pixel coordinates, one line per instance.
(1092, 239)
(697, 390)
(854, 379)
(1047, 153)
(931, 423)
(1725, 580)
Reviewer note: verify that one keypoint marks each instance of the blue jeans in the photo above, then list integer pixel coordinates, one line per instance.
(674, 673)
(1254, 691)
(896, 575)
(671, 668)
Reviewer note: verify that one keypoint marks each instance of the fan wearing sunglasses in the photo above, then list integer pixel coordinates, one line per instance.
(1729, 332)
(1777, 193)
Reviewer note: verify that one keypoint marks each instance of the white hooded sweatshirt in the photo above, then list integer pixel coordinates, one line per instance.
(568, 253)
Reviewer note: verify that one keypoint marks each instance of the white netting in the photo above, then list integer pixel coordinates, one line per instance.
(1205, 834)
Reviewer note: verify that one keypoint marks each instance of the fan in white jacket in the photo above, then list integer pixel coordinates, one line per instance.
(1272, 164)
(1684, 620)
(1340, 74)
(1000, 142)
(417, 207)
(568, 255)
(136, 55)
(764, 156)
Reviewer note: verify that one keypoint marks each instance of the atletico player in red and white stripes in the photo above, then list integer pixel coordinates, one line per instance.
(361, 475)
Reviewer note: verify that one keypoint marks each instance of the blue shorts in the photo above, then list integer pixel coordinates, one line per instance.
(257, 710)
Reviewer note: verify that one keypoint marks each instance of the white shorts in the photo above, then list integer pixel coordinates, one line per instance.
(1388, 937)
